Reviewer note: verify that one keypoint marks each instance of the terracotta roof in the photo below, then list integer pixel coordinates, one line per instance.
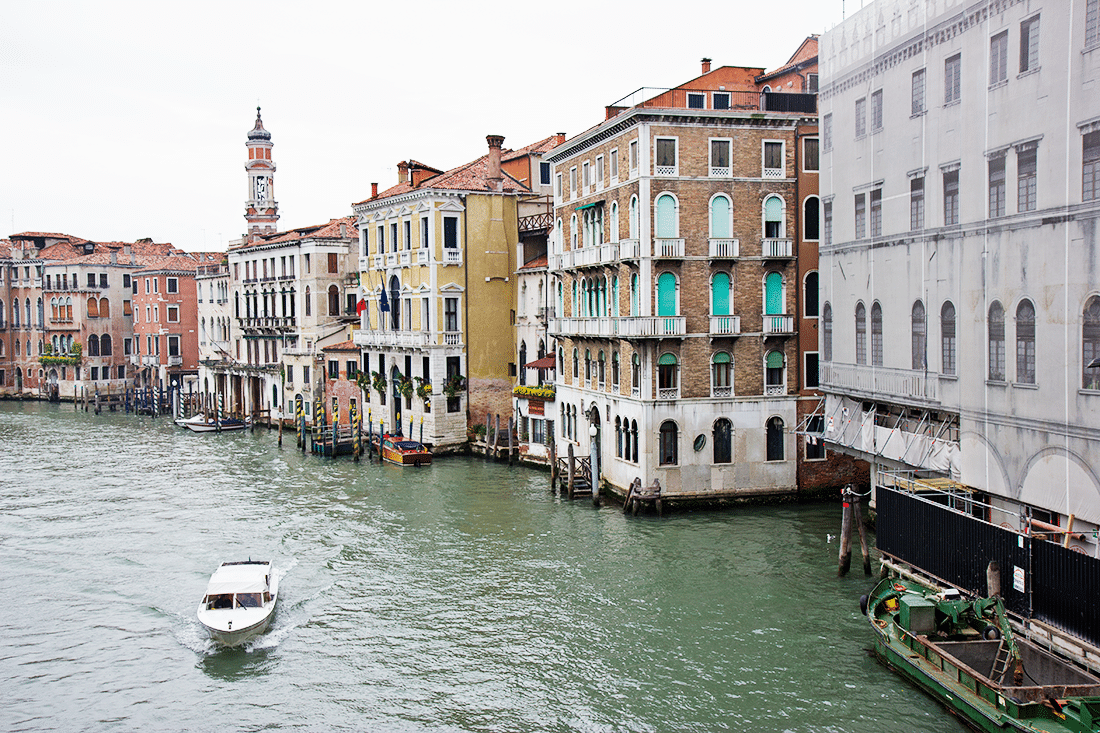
(546, 362)
(469, 177)
(47, 235)
(174, 263)
(540, 261)
(331, 230)
(533, 149)
(807, 51)
(342, 346)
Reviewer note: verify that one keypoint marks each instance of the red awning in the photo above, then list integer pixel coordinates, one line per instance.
(546, 362)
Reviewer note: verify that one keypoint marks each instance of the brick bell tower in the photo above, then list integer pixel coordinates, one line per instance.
(261, 210)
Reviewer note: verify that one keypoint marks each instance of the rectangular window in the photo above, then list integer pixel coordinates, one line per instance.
(381, 243)
(811, 370)
(91, 279)
(125, 281)
(408, 235)
(424, 232)
(996, 186)
(599, 171)
(544, 173)
(156, 284)
(127, 346)
(811, 83)
(450, 232)
(173, 313)
(861, 117)
(916, 204)
(573, 181)
(333, 369)
(148, 286)
(952, 68)
(450, 314)
(95, 373)
(613, 159)
(173, 346)
(633, 155)
(811, 158)
(666, 163)
(720, 157)
(827, 133)
(103, 280)
(918, 91)
(998, 58)
(1025, 178)
(306, 263)
(305, 378)
(1092, 22)
(121, 371)
(696, 100)
(1029, 45)
(586, 177)
(861, 215)
(394, 243)
(352, 367)
(720, 100)
(827, 223)
(773, 159)
(950, 198)
(290, 374)
(876, 212)
(127, 309)
(173, 285)
(1090, 166)
(876, 111)
(557, 185)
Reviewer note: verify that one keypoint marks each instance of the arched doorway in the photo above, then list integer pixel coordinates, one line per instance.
(597, 442)
(395, 374)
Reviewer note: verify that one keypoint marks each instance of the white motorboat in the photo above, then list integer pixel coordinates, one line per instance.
(200, 423)
(239, 602)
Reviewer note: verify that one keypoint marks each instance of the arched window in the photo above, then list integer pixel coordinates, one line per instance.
(587, 365)
(41, 313)
(773, 217)
(576, 365)
(615, 296)
(15, 312)
(558, 235)
(333, 301)
(876, 334)
(601, 370)
(614, 221)
(104, 308)
(573, 232)
(1025, 342)
(561, 301)
(996, 342)
(53, 311)
(811, 218)
(920, 337)
(395, 302)
(670, 444)
(720, 219)
(615, 371)
(666, 294)
(633, 217)
(522, 362)
(666, 217)
(635, 298)
(618, 437)
(93, 308)
(861, 333)
(308, 303)
(720, 294)
(773, 294)
(810, 299)
(93, 345)
(721, 375)
(1090, 342)
(29, 321)
(668, 377)
(561, 360)
(634, 440)
(105, 345)
(775, 439)
(723, 440)
(774, 373)
(635, 374)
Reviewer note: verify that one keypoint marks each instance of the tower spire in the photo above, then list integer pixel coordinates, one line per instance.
(261, 209)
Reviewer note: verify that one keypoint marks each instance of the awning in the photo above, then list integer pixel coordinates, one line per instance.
(589, 206)
(546, 362)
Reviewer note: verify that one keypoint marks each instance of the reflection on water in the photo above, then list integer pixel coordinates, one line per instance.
(464, 596)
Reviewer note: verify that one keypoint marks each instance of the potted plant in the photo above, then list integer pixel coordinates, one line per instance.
(404, 385)
(454, 385)
(423, 389)
(378, 381)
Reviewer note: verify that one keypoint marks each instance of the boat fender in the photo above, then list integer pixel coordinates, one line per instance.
(863, 604)
(991, 633)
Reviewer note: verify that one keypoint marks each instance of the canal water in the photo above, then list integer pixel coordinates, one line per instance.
(461, 597)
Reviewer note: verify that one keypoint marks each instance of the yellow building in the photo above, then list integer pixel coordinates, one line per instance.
(437, 315)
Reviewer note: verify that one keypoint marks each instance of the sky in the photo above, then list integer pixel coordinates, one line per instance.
(123, 120)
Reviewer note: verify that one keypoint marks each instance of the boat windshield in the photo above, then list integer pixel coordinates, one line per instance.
(219, 600)
(249, 600)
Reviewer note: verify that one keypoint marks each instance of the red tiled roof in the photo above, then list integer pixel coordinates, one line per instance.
(331, 230)
(546, 362)
(805, 52)
(342, 346)
(533, 149)
(540, 261)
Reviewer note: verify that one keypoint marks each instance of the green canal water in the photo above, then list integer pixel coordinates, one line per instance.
(461, 597)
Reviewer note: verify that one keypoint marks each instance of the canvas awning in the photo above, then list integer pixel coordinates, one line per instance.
(546, 362)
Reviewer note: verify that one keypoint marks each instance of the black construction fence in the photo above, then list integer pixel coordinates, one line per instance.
(1040, 580)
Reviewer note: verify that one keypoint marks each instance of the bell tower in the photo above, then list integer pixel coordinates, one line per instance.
(261, 210)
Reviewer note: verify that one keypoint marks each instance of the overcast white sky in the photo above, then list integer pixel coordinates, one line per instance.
(121, 120)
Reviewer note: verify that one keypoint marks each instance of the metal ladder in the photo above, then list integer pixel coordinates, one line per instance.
(1000, 663)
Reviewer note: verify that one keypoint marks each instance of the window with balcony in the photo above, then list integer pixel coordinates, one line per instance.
(1090, 343)
(876, 212)
(720, 157)
(721, 217)
(775, 377)
(947, 338)
(827, 331)
(918, 98)
(861, 215)
(774, 224)
(635, 303)
(951, 197)
(919, 331)
(1090, 165)
(1025, 342)
(997, 186)
(952, 71)
(996, 342)
(450, 232)
(666, 162)
(721, 375)
(668, 377)
(876, 334)
(666, 295)
(667, 225)
(670, 444)
(861, 333)
(1026, 159)
(450, 314)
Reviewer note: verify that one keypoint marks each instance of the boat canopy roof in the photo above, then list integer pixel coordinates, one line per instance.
(243, 578)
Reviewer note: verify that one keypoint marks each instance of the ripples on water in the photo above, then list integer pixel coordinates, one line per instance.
(462, 597)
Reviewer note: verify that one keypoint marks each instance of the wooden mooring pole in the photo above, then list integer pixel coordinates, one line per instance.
(845, 534)
(857, 519)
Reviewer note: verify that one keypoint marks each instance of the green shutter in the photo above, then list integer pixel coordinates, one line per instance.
(773, 209)
(666, 217)
(773, 293)
(775, 360)
(666, 294)
(667, 359)
(721, 358)
(720, 295)
(720, 218)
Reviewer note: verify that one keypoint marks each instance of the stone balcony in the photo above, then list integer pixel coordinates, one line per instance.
(725, 325)
(906, 385)
(777, 249)
(778, 325)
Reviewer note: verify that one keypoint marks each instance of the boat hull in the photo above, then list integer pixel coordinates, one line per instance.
(405, 452)
(239, 603)
(236, 637)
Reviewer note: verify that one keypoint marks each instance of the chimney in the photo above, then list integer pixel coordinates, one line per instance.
(493, 176)
(402, 172)
(114, 256)
(559, 138)
(706, 66)
(343, 230)
(374, 190)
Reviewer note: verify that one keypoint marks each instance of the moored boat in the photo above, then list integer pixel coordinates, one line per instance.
(201, 423)
(239, 602)
(965, 654)
(401, 452)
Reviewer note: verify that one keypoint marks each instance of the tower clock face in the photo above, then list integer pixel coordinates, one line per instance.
(261, 189)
